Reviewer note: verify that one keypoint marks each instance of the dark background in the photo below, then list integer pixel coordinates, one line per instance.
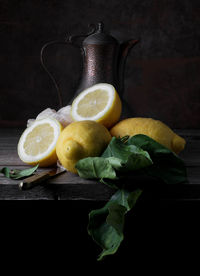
(162, 80)
(162, 71)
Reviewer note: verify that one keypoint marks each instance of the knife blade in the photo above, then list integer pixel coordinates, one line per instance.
(36, 179)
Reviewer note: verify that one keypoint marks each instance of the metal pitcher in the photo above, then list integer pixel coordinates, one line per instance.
(103, 59)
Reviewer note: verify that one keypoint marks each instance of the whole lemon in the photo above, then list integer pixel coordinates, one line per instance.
(79, 140)
(155, 129)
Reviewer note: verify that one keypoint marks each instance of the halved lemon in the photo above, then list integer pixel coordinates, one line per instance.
(37, 143)
(100, 103)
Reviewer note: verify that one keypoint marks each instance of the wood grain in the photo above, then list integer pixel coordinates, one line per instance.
(68, 186)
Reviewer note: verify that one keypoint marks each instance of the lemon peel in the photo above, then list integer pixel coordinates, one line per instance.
(79, 140)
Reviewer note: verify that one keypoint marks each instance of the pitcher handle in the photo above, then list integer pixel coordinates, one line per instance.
(47, 71)
(71, 40)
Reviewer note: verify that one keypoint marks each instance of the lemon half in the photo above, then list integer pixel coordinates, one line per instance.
(100, 103)
(37, 143)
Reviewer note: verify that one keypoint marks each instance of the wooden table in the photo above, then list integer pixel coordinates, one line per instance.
(68, 186)
(165, 219)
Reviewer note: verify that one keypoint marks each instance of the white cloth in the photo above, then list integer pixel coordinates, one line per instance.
(62, 115)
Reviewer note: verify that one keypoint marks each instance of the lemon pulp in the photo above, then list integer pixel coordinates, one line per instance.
(39, 139)
(97, 100)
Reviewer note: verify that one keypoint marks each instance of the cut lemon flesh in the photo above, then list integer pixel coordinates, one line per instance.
(100, 103)
(38, 142)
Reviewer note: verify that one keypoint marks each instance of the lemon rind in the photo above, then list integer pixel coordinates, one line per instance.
(33, 159)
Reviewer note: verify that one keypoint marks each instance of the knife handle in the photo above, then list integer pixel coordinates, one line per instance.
(34, 180)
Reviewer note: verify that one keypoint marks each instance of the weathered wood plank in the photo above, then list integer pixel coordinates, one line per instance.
(67, 178)
(188, 132)
(94, 191)
(11, 192)
(68, 186)
(9, 140)
(71, 187)
(56, 192)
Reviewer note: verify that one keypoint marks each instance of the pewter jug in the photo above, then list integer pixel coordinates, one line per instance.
(103, 59)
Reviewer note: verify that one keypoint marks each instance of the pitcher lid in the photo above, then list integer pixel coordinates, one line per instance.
(99, 37)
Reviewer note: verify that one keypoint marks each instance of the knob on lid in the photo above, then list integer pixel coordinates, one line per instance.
(99, 37)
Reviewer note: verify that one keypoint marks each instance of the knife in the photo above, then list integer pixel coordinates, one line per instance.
(36, 179)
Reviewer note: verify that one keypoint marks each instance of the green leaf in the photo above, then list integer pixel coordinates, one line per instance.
(117, 157)
(132, 157)
(5, 171)
(140, 155)
(18, 174)
(95, 167)
(116, 163)
(106, 224)
(166, 166)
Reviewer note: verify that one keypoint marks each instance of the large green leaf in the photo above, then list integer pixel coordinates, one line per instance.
(118, 157)
(166, 166)
(106, 224)
(132, 157)
(142, 157)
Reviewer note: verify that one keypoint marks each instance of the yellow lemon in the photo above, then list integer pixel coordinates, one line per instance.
(100, 103)
(155, 129)
(37, 143)
(79, 140)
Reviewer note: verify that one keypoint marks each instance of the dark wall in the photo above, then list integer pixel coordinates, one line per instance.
(162, 77)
